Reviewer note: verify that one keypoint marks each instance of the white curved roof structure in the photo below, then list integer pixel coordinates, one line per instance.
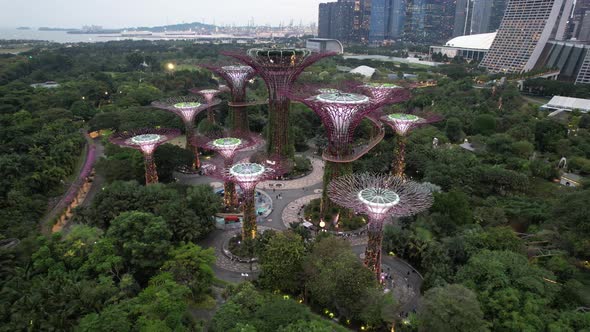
(364, 70)
(482, 41)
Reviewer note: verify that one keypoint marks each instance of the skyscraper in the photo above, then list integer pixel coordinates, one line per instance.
(379, 23)
(429, 21)
(463, 11)
(361, 20)
(525, 29)
(478, 16)
(497, 13)
(387, 18)
(579, 23)
(336, 20)
(397, 19)
(481, 17)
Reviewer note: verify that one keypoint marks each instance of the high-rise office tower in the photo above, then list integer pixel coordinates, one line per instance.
(481, 14)
(463, 13)
(397, 18)
(336, 20)
(379, 23)
(478, 16)
(361, 20)
(429, 21)
(324, 19)
(579, 22)
(497, 13)
(387, 18)
(525, 29)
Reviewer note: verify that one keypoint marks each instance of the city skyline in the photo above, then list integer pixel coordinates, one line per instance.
(134, 13)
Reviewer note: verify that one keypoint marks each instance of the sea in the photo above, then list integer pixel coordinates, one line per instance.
(56, 36)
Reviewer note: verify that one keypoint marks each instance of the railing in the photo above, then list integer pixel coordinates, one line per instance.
(357, 153)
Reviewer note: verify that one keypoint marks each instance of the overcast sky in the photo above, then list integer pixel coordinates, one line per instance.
(129, 13)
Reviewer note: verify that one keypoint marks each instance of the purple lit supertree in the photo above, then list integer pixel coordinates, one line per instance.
(227, 145)
(236, 78)
(379, 197)
(248, 175)
(209, 96)
(402, 124)
(279, 68)
(187, 108)
(386, 92)
(341, 113)
(145, 140)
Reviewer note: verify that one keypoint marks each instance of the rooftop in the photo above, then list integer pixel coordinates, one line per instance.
(364, 70)
(482, 41)
(568, 103)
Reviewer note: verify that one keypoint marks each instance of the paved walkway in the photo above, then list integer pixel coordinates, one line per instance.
(219, 240)
(315, 177)
(405, 282)
(291, 211)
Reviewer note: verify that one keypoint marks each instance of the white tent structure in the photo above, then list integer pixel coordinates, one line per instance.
(559, 103)
(366, 71)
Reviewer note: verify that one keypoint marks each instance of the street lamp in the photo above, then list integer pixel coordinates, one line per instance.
(170, 66)
(322, 225)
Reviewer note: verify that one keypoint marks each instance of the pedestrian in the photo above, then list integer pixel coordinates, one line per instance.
(408, 273)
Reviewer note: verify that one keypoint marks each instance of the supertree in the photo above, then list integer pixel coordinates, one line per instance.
(146, 140)
(187, 108)
(402, 124)
(248, 175)
(236, 78)
(227, 145)
(279, 68)
(209, 96)
(379, 197)
(385, 92)
(341, 113)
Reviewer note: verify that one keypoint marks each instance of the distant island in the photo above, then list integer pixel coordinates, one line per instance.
(56, 29)
(96, 29)
(23, 28)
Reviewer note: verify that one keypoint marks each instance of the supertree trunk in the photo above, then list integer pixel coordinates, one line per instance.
(151, 175)
(332, 171)
(210, 115)
(239, 119)
(230, 196)
(278, 127)
(190, 134)
(249, 221)
(398, 167)
(373, 250)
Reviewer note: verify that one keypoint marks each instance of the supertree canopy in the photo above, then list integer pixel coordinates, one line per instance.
(146, 141)
(236, 78)
(341, 113)
(386, 92)
(248, 175)
(227, 145)
(379, 197)
(279, 68)
(187, 108)
(402, 124)
(209, 96)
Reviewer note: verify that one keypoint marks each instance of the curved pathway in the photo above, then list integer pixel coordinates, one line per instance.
(307, 181)
(405, 282)
(290, 213)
